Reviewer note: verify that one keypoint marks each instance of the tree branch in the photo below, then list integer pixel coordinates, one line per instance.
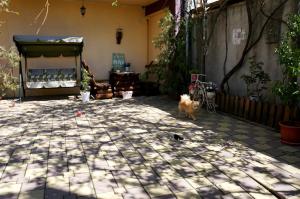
(222, 6)
(226, 46)
(273, 18)
(249, 46)
(241, 61)
(46, 7)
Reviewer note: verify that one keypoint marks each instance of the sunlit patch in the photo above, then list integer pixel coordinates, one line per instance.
(117, 146)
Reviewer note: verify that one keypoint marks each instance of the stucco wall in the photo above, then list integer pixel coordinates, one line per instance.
(153, 32)
(98, 27)
(264, 52)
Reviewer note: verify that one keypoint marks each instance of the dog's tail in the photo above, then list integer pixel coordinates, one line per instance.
(185, 97)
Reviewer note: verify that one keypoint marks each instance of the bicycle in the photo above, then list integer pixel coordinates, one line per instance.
(198, 92)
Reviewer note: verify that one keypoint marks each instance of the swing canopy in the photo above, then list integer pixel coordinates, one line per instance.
(59, 77)
(48, 46)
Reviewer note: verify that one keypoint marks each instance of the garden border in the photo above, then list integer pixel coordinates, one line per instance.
(259, 112)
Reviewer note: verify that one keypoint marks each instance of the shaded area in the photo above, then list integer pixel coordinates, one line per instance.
(125, 149)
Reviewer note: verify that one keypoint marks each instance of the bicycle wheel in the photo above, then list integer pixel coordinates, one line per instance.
(198, 96)
(210, 107)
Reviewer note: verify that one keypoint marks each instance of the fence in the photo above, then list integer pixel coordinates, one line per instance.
(260, 112)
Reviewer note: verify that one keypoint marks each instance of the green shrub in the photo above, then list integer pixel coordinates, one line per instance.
(8, 82)
(288, 89)
(257, 79)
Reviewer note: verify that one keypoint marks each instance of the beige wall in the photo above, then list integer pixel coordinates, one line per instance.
(153, 31)
(98, 28)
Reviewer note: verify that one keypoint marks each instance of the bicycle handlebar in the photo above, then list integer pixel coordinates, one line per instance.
(199, 74)
(197, 81)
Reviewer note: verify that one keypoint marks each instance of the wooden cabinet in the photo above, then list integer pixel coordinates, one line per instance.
(101, 89)
(124, 81)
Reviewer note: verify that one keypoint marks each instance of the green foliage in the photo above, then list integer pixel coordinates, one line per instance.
(257, 79)
(115, 3)
(195, 71)
(288, 89)
(4, 4)
(9, 59)
(4, 7)
(7, 79)
(170, 68)
(85, 81)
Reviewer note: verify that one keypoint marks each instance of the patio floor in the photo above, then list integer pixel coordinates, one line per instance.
(125, 149)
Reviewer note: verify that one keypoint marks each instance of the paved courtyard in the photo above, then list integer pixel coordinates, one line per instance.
(125, 149)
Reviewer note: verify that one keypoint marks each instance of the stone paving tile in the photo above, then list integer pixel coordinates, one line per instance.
(209, 192)
(158, 190)
(198, 181)
(262, 195)
(290, 158)
(285, 189)
(105, 185)
(125, 149)
(9, 190)
(179, 185)
(58, 182)
(136, 193)
(83, 189)
(187, 194)
(36, 194)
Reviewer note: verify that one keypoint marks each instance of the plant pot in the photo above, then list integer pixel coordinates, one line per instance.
(127, 94)
(85, 96)
(290, 132)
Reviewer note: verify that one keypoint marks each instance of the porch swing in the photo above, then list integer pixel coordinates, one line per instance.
(49, 81)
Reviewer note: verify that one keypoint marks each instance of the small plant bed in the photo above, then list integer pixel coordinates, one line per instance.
(260, 112)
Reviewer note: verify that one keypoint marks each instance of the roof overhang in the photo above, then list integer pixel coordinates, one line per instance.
(130, 2)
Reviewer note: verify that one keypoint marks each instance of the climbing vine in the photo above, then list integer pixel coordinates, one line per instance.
(258, 19)
(252, 38)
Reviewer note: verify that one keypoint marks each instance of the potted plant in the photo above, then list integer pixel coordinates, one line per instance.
(256, 81)
(288, 89)
(85, 86)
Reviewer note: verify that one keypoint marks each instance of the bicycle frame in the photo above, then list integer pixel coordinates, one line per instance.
(200, 93)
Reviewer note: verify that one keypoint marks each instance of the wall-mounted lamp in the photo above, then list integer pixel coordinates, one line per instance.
(83, 9)
(119, 35)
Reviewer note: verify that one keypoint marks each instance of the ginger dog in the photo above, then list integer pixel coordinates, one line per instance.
(188, 106)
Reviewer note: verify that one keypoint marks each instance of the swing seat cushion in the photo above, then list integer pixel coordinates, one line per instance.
(51, 78)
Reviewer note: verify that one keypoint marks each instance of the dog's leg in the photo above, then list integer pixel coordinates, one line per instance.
(193, 116)
(187, 114)
(179, 111)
